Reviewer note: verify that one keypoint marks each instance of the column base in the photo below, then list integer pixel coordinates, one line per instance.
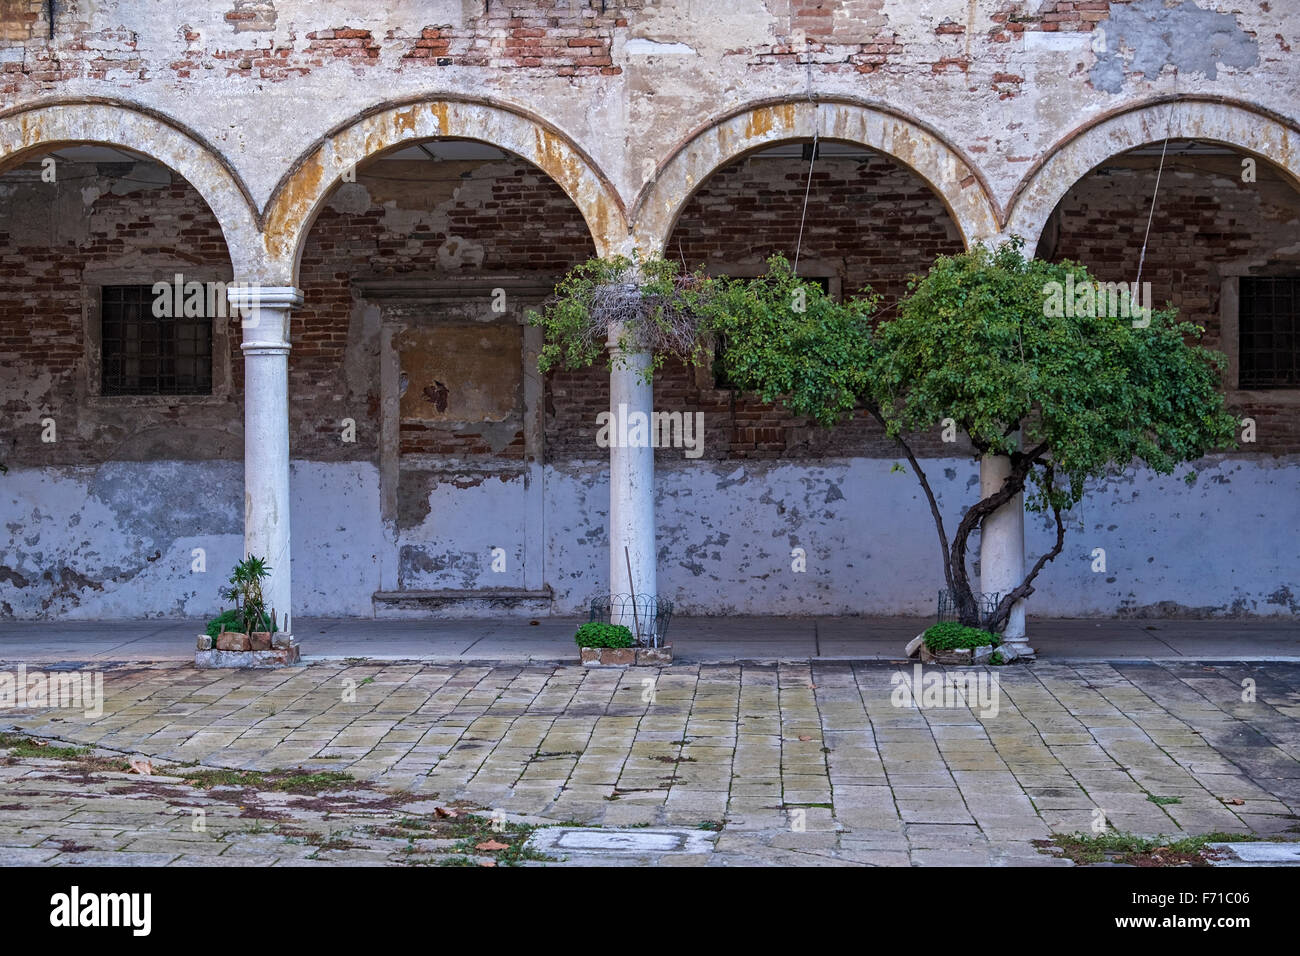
(1019, 647)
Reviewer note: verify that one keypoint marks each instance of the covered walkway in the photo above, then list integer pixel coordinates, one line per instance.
(698, 639)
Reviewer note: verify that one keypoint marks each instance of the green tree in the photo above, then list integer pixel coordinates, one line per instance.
(1065, 398)
(789, 341)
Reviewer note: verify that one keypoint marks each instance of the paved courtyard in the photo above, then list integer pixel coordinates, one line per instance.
(790, 763)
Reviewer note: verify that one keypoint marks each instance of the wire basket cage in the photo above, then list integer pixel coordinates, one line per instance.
(646, 617)
(986, 604)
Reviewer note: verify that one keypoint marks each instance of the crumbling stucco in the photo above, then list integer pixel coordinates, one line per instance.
(1149, 35)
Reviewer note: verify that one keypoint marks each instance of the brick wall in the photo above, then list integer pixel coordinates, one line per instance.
(870, 221)
(467, 219)
(1208, 224)
(548, 38)
(470, 220)
(95, 218)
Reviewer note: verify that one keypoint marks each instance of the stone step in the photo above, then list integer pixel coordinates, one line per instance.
(462, 602)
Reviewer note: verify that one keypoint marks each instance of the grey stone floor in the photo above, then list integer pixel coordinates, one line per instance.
(811, 763)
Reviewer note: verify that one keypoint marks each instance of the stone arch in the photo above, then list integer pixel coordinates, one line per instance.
(299, 195)
(954, 180)
(35, 128)
(1251, 130)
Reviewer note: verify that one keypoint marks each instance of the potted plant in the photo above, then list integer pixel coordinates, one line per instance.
(951, 642)
(245, 635)
(254, 623)
(606, 644)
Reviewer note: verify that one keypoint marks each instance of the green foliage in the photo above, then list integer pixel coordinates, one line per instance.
(228, 620)
(647, 302)
(787, 340)
(250, 612)
(950, 635)
(1123, 847)
(597, 634)
(972, 342)
(19, 745)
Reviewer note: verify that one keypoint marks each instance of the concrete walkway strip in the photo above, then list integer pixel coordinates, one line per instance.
(1257, 854)
(697, 640)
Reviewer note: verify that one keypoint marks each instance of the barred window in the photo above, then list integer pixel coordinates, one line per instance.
(1268, 318)
(144, 354)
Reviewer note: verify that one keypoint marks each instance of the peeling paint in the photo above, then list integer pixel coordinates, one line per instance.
(1187, 37)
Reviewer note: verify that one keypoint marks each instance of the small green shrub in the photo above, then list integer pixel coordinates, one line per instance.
(229, 620)
(250, 612)
(233, 620)
(596, 634)
(950, 636)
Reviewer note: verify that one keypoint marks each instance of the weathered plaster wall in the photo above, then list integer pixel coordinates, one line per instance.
(117, 540)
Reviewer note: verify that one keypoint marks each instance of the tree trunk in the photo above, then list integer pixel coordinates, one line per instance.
(968, 610)
(1026, 587)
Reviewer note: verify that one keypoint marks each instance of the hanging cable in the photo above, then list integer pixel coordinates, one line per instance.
(812, 156)
(812, 159)
(1137, 286)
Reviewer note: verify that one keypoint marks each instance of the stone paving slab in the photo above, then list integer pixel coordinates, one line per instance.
(800, 763)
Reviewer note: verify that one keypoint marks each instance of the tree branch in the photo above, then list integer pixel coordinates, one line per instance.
(929, 494)
(974, 518)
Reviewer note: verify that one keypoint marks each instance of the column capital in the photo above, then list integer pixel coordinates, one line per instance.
(264, 348)
(246, 296)
(249, 302)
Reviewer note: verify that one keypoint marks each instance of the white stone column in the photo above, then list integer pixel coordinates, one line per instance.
(264, 314)
(631, 477)
(1002, 548)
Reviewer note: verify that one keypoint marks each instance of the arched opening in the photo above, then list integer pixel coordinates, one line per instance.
(1223, 226)
(121, 387)
(298, 197)
(779, 515)
(957, 184)
(1222, 249)
(413, 385)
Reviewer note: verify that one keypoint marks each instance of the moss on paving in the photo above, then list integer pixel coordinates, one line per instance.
(289, 781)
(1134, 850)
(20, 745)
